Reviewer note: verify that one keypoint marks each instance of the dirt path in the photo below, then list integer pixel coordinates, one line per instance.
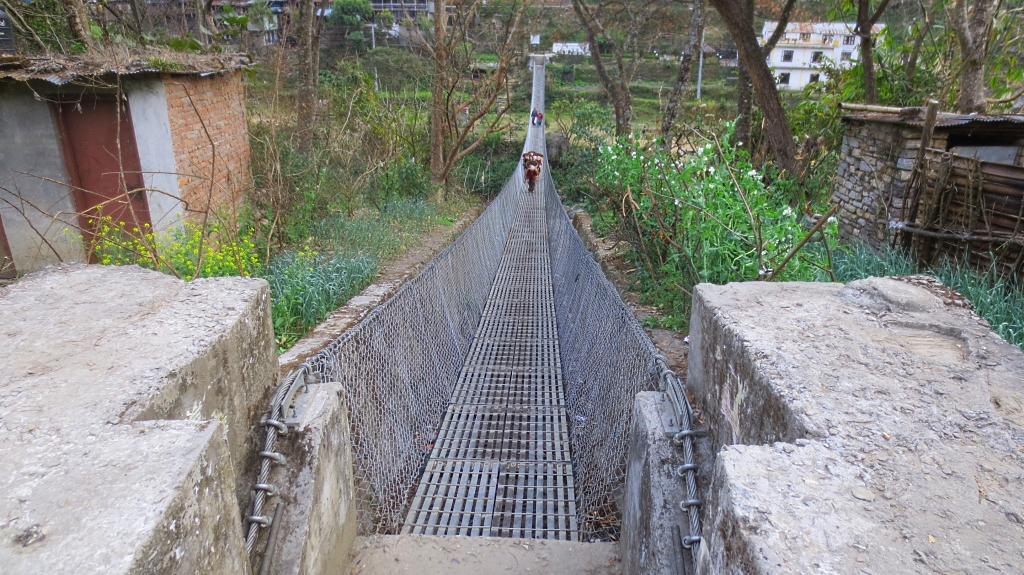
(393, 275)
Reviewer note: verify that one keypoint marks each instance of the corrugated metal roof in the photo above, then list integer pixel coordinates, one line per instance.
(943, 120)
(61, 69)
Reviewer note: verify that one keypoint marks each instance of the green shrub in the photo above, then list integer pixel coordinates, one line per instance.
(708, 217)
(306, 286)
(188, 251)
(400, 178)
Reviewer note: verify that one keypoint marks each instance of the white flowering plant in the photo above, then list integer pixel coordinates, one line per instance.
(707, 215)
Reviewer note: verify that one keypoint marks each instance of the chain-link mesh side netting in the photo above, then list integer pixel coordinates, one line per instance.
(607, 359)
(400, 364)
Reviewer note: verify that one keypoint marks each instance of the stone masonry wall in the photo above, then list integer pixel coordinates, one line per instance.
(213, 104)
(876, 162)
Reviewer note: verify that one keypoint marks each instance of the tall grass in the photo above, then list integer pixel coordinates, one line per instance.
(340, 258)
(995, 298)
(306, 287)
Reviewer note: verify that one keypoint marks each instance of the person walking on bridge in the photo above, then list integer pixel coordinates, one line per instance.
(532, 162)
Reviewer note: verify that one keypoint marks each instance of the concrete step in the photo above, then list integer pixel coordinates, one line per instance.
(436, 555)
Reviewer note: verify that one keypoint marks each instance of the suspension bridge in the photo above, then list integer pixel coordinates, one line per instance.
(493, 394)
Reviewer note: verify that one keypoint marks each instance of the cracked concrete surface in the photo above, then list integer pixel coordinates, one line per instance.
(864, 429)
(127, 401)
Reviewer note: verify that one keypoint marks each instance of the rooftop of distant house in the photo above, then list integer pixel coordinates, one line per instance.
(827, 28)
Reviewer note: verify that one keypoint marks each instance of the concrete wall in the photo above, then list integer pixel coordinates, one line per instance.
(652, 496)
(148, 105)
(30, 157)
(867, 428)
(318, 526)
(131, 406)
(214, 104)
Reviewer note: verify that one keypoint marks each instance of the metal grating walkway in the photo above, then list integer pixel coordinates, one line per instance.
(500, 465)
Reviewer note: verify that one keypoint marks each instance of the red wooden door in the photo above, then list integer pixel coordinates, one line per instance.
(103, 162)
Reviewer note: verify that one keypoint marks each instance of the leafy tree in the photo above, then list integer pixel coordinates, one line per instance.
(620, 34)
(458, 102)
(385, 18)
(350, 14)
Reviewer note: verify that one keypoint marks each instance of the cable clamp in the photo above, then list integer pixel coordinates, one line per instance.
(274, 456)
(680, 436)
(280, 427)
(266, 487)
(261, 520)
(682, 469)
(687, 503)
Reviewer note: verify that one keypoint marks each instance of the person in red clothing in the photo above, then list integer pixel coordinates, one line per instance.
(532, 162)
(539, 118)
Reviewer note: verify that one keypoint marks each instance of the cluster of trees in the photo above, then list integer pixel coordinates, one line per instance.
(966, 53)
(976, 43)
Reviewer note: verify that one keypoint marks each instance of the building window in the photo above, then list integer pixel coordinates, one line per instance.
(784, 78)
(817, 56)
(815, 78)
(846, 56)
(826, 39)
(805, 37)
(787, 55)
(849, 40)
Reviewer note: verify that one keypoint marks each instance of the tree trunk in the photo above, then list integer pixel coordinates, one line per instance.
(866, 20)
(744, 106)
(972, 28)
(691, 51)
(910, 68)
(778, 134)
(438, 123)
(139, 13)
(202, 31)
(744, 90)
(306, 102)
(616, 88)
(78, 20)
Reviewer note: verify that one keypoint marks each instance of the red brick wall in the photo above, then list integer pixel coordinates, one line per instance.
(216, 103)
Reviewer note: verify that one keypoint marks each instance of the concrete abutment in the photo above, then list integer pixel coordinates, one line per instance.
(127, 402)
(866, 428)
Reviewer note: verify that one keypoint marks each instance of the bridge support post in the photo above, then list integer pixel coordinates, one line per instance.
(319, 524)
(651, 512)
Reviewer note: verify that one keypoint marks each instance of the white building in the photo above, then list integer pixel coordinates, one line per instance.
(571, 48)
(800, 53)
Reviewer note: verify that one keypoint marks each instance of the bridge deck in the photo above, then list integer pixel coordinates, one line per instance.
(501, 465)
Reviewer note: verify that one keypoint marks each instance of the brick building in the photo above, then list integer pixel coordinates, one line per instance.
(150, 144)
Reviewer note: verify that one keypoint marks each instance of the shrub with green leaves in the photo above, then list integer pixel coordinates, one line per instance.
(186, 251)
(707, 217)
(306, 286)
